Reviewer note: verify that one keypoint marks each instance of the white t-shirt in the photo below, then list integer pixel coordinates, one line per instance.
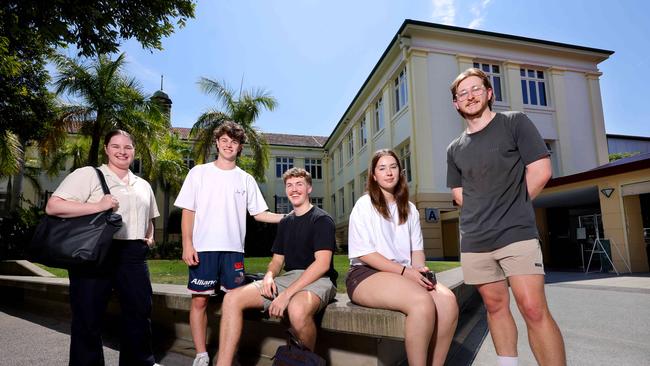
(137, 201)
(370, 232)
(219, 199)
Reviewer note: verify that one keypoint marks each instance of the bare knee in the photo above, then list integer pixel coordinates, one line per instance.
(496, 304)
(446, 304)
(300, 316)
(199, 303)
(421, 306)
(232, 301)
(533, 311)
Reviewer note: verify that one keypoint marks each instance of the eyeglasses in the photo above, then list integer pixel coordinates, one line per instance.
(464, 94)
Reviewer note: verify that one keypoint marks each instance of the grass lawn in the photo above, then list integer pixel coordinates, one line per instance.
(175, 271)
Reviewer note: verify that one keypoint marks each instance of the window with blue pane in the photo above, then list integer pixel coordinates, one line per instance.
(533, 87)
(314, 167)
(282, 164)
(401, 97)
(494, 73)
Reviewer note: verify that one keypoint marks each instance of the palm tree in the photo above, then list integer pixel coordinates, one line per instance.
(10, 153)
(243, 109)
(109, 100)
(168, 171)
(73, 148)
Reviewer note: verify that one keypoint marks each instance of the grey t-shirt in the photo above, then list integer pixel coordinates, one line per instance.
(490, 166)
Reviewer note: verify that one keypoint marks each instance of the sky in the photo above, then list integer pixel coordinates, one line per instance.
(314, 55)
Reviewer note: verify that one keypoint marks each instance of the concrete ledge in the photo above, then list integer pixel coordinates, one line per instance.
(349, 334)
(22, 268)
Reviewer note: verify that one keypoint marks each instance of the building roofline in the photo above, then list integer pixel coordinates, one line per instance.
(503, 35)
(628, 137)
(408, 22)
(603, 171)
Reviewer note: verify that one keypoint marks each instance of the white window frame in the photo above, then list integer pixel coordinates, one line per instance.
(340, 156)
(363, 132)
(317, 201)
(531, 79)
(493, 71)
(400, 90)
(341, 210)
(334, 213)
(282, 205)
(363, 177)
(284, 163)
(380, 119)
(352, 191)
(405, 160)
(188, 160)
(350, 144)
(314, 167)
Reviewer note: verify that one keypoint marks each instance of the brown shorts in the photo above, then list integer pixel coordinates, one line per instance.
(519, 258)
(356, 275)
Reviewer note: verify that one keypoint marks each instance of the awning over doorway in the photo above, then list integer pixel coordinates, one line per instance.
(568, 198)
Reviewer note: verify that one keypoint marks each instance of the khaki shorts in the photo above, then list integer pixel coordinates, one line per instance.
(322, 287)
(519, 258)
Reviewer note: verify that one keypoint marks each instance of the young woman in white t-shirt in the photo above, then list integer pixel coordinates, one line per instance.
(387, 264)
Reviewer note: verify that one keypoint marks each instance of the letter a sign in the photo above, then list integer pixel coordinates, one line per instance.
(432, 214)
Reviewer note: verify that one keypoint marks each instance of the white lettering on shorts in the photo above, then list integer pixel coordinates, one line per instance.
(203, 282)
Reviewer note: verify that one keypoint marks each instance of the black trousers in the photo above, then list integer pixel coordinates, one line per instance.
(125, 271)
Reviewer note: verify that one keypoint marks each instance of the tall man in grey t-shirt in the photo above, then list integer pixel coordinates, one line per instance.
(494, 169)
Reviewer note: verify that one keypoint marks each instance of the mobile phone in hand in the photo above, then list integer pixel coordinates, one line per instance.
(431, 276)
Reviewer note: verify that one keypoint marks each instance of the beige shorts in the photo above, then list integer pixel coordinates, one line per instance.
(322, 287)
(519, 258)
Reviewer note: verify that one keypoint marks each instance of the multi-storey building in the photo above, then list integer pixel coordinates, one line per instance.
(405, 105)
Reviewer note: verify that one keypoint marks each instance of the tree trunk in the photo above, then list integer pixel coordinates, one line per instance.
(93, 154)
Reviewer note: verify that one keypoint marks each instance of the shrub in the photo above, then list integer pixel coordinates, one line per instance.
(16, 231)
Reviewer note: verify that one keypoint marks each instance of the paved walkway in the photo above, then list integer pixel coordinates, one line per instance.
(605, 320)
(28, 339)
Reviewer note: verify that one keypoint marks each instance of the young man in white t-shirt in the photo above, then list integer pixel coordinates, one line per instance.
(214, 198)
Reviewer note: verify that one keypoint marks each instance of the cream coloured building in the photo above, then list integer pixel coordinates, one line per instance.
(405, 105)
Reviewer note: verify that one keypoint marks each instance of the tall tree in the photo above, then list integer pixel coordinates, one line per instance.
(243, 107)
(109, 100)
(30, 31)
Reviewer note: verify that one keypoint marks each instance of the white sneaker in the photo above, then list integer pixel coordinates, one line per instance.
(201, 361)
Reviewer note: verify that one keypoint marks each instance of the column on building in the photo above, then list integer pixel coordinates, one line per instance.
(513, 86)
(598, 120)
(562, 120)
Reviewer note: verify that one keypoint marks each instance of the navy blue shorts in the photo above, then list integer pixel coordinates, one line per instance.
(224, 269)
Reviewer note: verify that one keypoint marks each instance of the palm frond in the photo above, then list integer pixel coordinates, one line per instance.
(221, 91)
(10, 154)
(203, 133)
